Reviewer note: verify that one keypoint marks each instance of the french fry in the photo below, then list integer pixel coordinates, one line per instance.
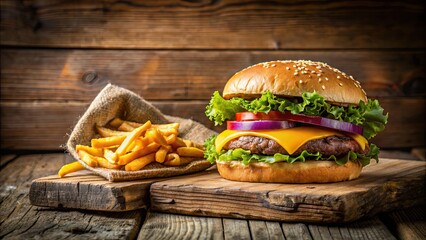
(116, 122)
(134, 124)
(155, 136)
(171, 139)
(188, 143)
(167, 129)
(91, 150)
(107, 141)
(199, 146)
(178, 143)
(112, 148)
(166, 126)
(150, 148)
(161, 154)
(125, 127)
(172, 156)
(179, 161)
(106, 132)
(87, 158)
(110, 156)
(102, 162)
(190, 152)
(132, 137)
(69, 168)
(134, 145)
(140, 163)
(140, 143)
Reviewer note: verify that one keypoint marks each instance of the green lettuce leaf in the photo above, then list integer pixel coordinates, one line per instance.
(247, 157)
(368, 115)
(219, 109)
(374, 119)
(210, 153)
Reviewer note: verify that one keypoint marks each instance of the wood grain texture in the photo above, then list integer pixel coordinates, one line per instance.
(367, 229)
(5, 159)
(407, 224)
(20, 220)
(405, 126)
(235, 229)
(78, 75)
(44, 125)
(83, 190)
(213, 24)
(388, 185)
(172, 226)
(296, 231)
(260, 230)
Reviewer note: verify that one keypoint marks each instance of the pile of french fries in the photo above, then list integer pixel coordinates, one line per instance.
(131, 146)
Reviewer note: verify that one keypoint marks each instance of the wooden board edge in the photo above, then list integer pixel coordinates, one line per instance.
(188, 199)
(45, 192)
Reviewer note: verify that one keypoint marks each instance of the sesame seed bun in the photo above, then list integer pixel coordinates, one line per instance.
(292, 79)
(297, 172)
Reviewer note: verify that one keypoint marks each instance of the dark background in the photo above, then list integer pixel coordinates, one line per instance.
(57, 55)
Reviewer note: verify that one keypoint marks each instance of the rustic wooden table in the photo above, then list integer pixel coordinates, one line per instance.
(20, 220)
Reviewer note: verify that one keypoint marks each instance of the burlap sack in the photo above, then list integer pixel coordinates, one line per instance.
(115, 101)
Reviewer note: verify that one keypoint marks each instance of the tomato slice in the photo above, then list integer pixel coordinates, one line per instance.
(301, 118)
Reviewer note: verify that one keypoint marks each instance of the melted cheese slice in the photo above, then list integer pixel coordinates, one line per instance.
(290, 139)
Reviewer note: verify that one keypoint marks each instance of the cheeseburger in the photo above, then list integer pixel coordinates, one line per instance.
(293, 122)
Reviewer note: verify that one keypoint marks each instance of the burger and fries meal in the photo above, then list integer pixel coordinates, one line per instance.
(131, 146)
(287, 122)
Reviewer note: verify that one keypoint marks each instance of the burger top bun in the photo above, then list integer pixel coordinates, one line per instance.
(292, 79)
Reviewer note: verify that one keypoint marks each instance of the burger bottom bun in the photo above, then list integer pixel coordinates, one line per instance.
(282, 172)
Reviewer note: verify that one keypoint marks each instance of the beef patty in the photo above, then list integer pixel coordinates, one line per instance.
(332, 145)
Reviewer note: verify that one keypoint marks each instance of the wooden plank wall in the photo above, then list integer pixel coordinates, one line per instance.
(57, 55)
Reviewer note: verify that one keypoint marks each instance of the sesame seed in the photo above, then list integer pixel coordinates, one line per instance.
(340, 84)
(319, 80)
(323, 87)
(312, 71)
(300, 81)
(351, 77)
(294, 66)
(326, 78)
(273, 65)
(296, 73)
(319, 74)
(356, 85)
(318, 67)
(338, 77)
(288, 68)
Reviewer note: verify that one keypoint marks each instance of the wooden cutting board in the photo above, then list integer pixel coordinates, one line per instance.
(388, 185)
(83, 190)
